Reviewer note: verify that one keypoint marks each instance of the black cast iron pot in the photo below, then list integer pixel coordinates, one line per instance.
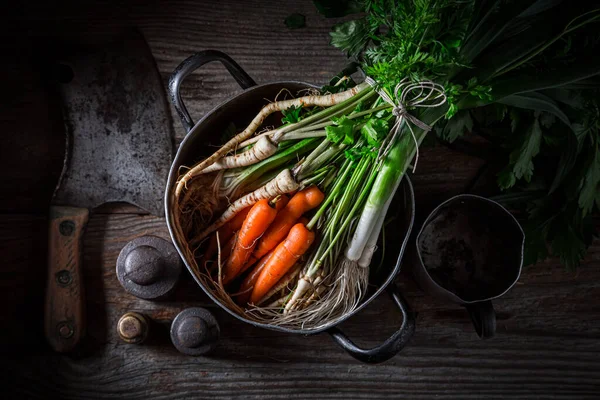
(240, 109)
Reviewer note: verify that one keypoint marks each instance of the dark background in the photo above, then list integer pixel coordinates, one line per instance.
(548, 324)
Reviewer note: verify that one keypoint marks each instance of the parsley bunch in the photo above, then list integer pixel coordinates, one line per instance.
(524, 74)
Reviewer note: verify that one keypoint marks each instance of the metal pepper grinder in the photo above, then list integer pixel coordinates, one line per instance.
(149, 267)
(195, 331)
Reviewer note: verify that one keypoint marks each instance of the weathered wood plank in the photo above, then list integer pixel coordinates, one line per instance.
(547, 342)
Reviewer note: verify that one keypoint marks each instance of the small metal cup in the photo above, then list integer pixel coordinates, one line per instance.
(470, 251)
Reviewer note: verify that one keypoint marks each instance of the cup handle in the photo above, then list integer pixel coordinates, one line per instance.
(483, 317)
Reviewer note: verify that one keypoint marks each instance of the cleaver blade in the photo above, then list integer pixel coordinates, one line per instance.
(119, 147)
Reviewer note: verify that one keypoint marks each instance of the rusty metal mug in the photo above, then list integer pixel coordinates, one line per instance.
(470, 251)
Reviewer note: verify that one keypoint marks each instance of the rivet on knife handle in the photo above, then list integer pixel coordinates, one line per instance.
(64, 314)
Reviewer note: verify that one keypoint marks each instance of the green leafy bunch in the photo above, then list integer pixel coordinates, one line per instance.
(522, 74)
(418, 40)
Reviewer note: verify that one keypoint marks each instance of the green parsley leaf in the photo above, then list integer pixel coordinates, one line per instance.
(453, 43)
(384, 114)
(522, 157)
(547, 119)
(354, 153)
(457, 126)
(506, 178)
(590, 192)
(452, 110)
(341, 132)
(291, 115)
(351, 36)
(359, 107)
(374, 131)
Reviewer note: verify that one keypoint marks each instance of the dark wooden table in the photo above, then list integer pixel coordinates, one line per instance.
(548, 325)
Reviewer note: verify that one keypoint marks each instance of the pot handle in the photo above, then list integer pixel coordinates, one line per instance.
(191, 64)
(391, 346)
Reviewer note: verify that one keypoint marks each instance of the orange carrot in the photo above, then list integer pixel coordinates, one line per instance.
(283, 258)
(281, 202)
(302, 202)
(257, 221)
(225, 233)
(253, 259)
(250, 279)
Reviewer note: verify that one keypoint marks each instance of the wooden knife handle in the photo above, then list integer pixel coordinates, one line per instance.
(64, 314)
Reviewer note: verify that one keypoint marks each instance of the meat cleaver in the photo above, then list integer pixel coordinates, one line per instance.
(119, 147)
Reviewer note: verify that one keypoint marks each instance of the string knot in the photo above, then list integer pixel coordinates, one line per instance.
(425, 94)
(399, 110)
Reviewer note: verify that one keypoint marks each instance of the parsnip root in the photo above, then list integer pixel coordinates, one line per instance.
(263, 149)
(283, 183)
(306, 101)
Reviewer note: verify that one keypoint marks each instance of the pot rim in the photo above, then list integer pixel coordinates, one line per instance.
(167, 199)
